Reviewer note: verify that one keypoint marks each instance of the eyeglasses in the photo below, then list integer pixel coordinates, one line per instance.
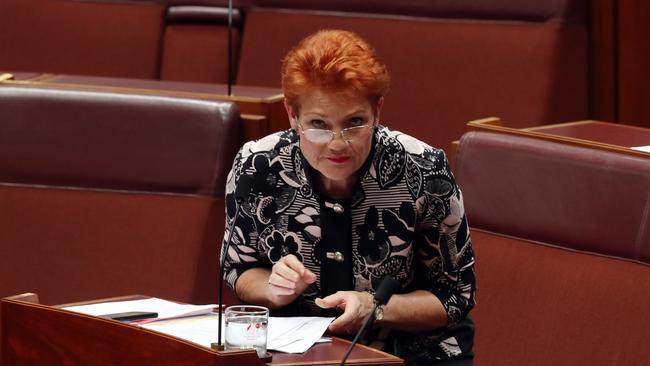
(322, 136)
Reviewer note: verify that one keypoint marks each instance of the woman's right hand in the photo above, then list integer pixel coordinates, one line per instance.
(288, 279)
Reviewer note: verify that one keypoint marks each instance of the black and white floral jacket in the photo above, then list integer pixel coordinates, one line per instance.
(407, 221)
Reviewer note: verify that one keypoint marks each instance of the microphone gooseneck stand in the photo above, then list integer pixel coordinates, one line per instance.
(230, 47)
(241, 193)
(387, 288)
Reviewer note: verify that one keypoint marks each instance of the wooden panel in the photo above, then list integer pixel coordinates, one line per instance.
(255, 127)
(603, 132)
(109, 38)
(634, 62)
(602, 61)
(36, 334)
(582, 136)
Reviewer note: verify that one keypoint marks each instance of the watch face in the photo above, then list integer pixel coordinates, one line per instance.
(379, 313)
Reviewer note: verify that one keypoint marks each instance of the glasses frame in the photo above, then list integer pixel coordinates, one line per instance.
(331, 133)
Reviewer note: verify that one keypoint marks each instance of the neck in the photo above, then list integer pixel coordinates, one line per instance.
(337, 189)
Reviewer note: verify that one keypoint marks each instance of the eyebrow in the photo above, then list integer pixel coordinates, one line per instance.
(322, 115)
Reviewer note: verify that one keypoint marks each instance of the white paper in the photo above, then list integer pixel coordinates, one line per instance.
(645, 148)
(295, 334)
(198, 329)
(165, 309)
(285, 334)
(290, 334)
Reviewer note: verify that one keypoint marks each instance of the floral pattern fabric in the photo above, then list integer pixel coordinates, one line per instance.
(408, 222)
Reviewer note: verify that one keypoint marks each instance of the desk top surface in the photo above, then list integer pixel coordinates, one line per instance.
(321, 353)
(191, 89)
(603, 132)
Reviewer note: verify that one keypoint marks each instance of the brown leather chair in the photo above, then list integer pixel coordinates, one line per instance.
(577, 197)
(562, 241)
(107, 194)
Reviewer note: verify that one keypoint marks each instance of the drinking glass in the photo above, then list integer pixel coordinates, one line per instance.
(246, 327)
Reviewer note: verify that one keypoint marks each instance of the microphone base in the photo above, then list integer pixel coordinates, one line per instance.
(268, 357)
(217, 347)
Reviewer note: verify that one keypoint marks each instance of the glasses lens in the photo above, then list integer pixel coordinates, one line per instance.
(354, 133)
(318, 136)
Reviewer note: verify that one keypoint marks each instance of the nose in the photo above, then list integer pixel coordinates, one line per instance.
(338, 142)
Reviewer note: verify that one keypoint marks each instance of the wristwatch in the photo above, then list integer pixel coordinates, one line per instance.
(379, 312)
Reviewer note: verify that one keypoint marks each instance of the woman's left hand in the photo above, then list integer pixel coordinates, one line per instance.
(356, 307)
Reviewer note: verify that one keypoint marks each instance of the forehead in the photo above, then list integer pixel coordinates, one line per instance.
(333, 104)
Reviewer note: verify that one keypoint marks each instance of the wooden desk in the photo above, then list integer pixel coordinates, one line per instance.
(34, 332)
(596, 131)
(593, 134)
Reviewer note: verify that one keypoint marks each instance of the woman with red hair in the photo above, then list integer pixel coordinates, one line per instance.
(338, 202)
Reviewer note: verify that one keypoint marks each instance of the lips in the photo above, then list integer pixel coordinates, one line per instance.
(338, 159)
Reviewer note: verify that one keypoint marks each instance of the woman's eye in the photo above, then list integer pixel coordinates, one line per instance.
(317, 123)
(356, 122)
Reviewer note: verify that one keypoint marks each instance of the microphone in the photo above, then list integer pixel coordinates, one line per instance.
(387, 288)
(241, 193)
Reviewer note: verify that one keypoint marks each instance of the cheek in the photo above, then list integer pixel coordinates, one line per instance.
(310, 152)
(363, 151)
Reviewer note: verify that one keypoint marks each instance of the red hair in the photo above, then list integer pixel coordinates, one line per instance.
(334, 60)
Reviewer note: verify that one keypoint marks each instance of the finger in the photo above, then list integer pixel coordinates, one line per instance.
(279, 281)
(309, 276)
(275, 290)
(283, 270)
(294, 263)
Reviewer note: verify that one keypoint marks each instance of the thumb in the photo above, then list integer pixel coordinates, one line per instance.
(330, 301)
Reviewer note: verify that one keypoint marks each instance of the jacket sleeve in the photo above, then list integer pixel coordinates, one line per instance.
(243, 252)
(444, 257)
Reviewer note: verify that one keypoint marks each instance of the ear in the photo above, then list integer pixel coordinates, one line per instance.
(291, 113)
(380, 105)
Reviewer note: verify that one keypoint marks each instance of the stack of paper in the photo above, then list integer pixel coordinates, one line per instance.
(290, 334)
(295, 334)
(165, 309)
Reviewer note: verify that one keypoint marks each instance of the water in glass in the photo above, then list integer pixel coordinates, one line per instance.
(246, 327)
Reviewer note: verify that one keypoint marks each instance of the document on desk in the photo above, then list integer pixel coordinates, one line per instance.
(295, 334)
(165, 309)
(197, 323)
(290, 334)
(645, 148)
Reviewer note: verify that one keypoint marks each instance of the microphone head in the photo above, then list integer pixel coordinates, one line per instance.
(387, 288)
(243, 188)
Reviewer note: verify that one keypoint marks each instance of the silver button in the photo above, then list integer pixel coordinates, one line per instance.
(336, 256)
(338, 208)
